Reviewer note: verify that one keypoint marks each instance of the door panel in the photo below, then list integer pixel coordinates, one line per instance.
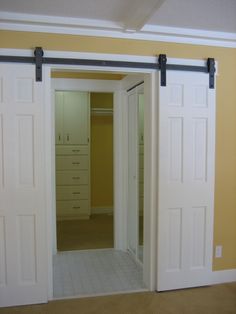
(23, 251)
(186, 181)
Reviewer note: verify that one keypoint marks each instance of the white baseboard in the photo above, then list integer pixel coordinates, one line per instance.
(223, 276)
(101, 210)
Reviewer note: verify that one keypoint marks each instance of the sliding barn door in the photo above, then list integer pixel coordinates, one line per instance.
(23, 253)
(186, 181)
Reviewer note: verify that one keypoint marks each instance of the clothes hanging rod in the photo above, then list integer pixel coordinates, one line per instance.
(161, 64)
(102, 111)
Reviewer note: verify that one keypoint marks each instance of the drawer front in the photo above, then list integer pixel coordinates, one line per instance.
(72, 149)
(72, 162)
(71, 177)
(80, 192)
(73, 208)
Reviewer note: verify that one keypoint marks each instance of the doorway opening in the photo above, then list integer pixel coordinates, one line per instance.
(87, 259)
(84, 170)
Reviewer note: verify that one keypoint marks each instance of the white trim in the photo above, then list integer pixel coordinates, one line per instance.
(99, 28)
(120, 170)
(151, 90)
(101, 210)
(119, 152)
(223, 276)
(56, 21)
(85, 85)
(102, 294)
(50, 179)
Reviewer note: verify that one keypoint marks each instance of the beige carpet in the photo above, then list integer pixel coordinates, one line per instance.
(219, 299)
(94, 233)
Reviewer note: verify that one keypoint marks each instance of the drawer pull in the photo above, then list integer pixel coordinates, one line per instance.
(76, 193)
(76, 178)
(75, 163)
(75, 150)
(76, 207)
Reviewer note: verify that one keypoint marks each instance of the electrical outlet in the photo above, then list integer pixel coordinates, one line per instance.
(218, 251)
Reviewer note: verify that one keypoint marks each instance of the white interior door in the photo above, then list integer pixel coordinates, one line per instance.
(23, 252)
(186, 181)
(133, 179)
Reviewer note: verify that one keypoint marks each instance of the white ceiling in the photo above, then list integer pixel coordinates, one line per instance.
(190, 21)
(214, 15)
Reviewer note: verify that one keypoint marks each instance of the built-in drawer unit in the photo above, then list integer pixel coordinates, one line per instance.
(72, 136)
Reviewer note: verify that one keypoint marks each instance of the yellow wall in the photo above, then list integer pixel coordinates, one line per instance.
(225, 186)
(101, 153)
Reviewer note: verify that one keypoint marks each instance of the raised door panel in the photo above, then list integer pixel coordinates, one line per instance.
(59, 117)
(76, 115)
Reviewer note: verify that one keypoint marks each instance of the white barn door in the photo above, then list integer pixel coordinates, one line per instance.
(186, 181)
(23, 252)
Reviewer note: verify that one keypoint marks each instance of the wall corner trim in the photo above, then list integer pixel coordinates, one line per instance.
(223, 276)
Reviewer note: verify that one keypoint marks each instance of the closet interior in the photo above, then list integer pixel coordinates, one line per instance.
(84, 170)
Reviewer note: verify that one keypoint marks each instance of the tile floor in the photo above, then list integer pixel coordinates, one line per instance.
(94, 272)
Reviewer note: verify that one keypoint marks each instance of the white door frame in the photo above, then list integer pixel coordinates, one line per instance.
(120, 200)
